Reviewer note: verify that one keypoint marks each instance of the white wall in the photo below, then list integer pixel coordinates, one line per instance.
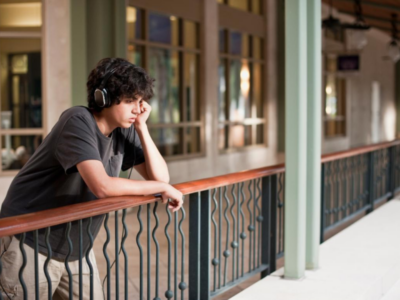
(359, 93)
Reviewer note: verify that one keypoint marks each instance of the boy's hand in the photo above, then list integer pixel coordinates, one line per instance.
(145, 110)
(176, 198)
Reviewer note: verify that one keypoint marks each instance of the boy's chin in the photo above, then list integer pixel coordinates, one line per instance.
(126, 125)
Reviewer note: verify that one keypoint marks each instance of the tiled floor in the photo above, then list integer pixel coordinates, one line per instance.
(360, 263)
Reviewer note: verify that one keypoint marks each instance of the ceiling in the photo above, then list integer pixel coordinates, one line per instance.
(377, 13)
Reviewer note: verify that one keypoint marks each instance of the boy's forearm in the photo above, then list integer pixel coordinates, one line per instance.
(155, 164)
(124, 187)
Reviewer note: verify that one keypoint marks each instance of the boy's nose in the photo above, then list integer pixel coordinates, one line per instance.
(136, 108)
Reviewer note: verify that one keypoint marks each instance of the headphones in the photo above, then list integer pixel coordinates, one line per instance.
(101, 96)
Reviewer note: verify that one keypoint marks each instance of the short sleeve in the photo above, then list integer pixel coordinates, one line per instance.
(76, 143)
(133, 150)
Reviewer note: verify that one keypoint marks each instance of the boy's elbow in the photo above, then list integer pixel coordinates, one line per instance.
(164, 179)
(101, 191)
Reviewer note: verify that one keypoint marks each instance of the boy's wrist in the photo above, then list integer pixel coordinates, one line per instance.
(141, 127)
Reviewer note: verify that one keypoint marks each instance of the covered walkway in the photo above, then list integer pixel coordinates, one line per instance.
(361, 262)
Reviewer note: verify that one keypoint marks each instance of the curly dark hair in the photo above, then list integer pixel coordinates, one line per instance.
(128, 80)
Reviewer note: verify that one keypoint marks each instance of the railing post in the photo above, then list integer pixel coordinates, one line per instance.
(322, 231)
(203, 281)
(371, 181)
(392, 170)
(194, 245)
(268, 225)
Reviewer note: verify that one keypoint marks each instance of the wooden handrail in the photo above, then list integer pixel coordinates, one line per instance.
(69, 213)
(357, 151)
(60, 215)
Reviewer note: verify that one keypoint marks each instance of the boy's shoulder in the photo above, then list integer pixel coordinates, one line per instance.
(75, 117)
(76, 111)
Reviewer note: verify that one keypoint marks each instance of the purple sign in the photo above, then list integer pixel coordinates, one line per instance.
(348, 63)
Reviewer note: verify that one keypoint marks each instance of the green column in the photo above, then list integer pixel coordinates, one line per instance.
(98, 30)
(120, 37)
(313, 133)
(78, 52)
(296, 136)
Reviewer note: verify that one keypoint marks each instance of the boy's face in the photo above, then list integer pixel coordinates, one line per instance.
(125, 113)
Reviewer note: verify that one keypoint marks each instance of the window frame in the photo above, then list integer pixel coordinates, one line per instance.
(253, 121)
(27, 33)
(249, 6)
(182, 50)
(343, 103)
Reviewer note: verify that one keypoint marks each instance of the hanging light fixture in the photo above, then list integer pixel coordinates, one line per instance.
(357, 38)
(331, 24)
(393, 50)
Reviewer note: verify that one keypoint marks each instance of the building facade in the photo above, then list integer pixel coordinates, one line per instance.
(219, 100)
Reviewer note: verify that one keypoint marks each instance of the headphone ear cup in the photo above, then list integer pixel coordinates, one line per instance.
(99, 98)
(107, 101)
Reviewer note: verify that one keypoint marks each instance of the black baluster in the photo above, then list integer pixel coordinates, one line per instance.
(116, 256)
(80, 261)
(124, 236)
(182, 284)
(157, 248)
(250, 228)
(36, 248)
(215, 261)
(70, 249)
(21, 270)
(234, 243)
(169, 294)
(46, 263)
(243, 233)
(140, 253)
(259, 220)
(148, 253)
(88, 258)
(226, 252)
(219, 238)
(108, 276)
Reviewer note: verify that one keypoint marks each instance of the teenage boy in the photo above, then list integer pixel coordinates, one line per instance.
(79, 161)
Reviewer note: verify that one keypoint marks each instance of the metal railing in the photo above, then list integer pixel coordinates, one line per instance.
(354, 182)
(230, 228)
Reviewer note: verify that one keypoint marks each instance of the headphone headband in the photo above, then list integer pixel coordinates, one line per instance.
(106, 77)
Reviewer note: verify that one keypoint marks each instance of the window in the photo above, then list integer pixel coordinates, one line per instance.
(335, 100)
(253, 6)
(168, 47)
(241, 92)
(21, 102)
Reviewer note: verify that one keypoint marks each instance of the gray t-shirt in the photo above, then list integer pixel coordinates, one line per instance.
(50, 178)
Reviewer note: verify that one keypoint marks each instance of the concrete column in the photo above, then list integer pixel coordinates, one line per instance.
(55, 60)
(209, 62)
(313, 133)
(296, 136)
